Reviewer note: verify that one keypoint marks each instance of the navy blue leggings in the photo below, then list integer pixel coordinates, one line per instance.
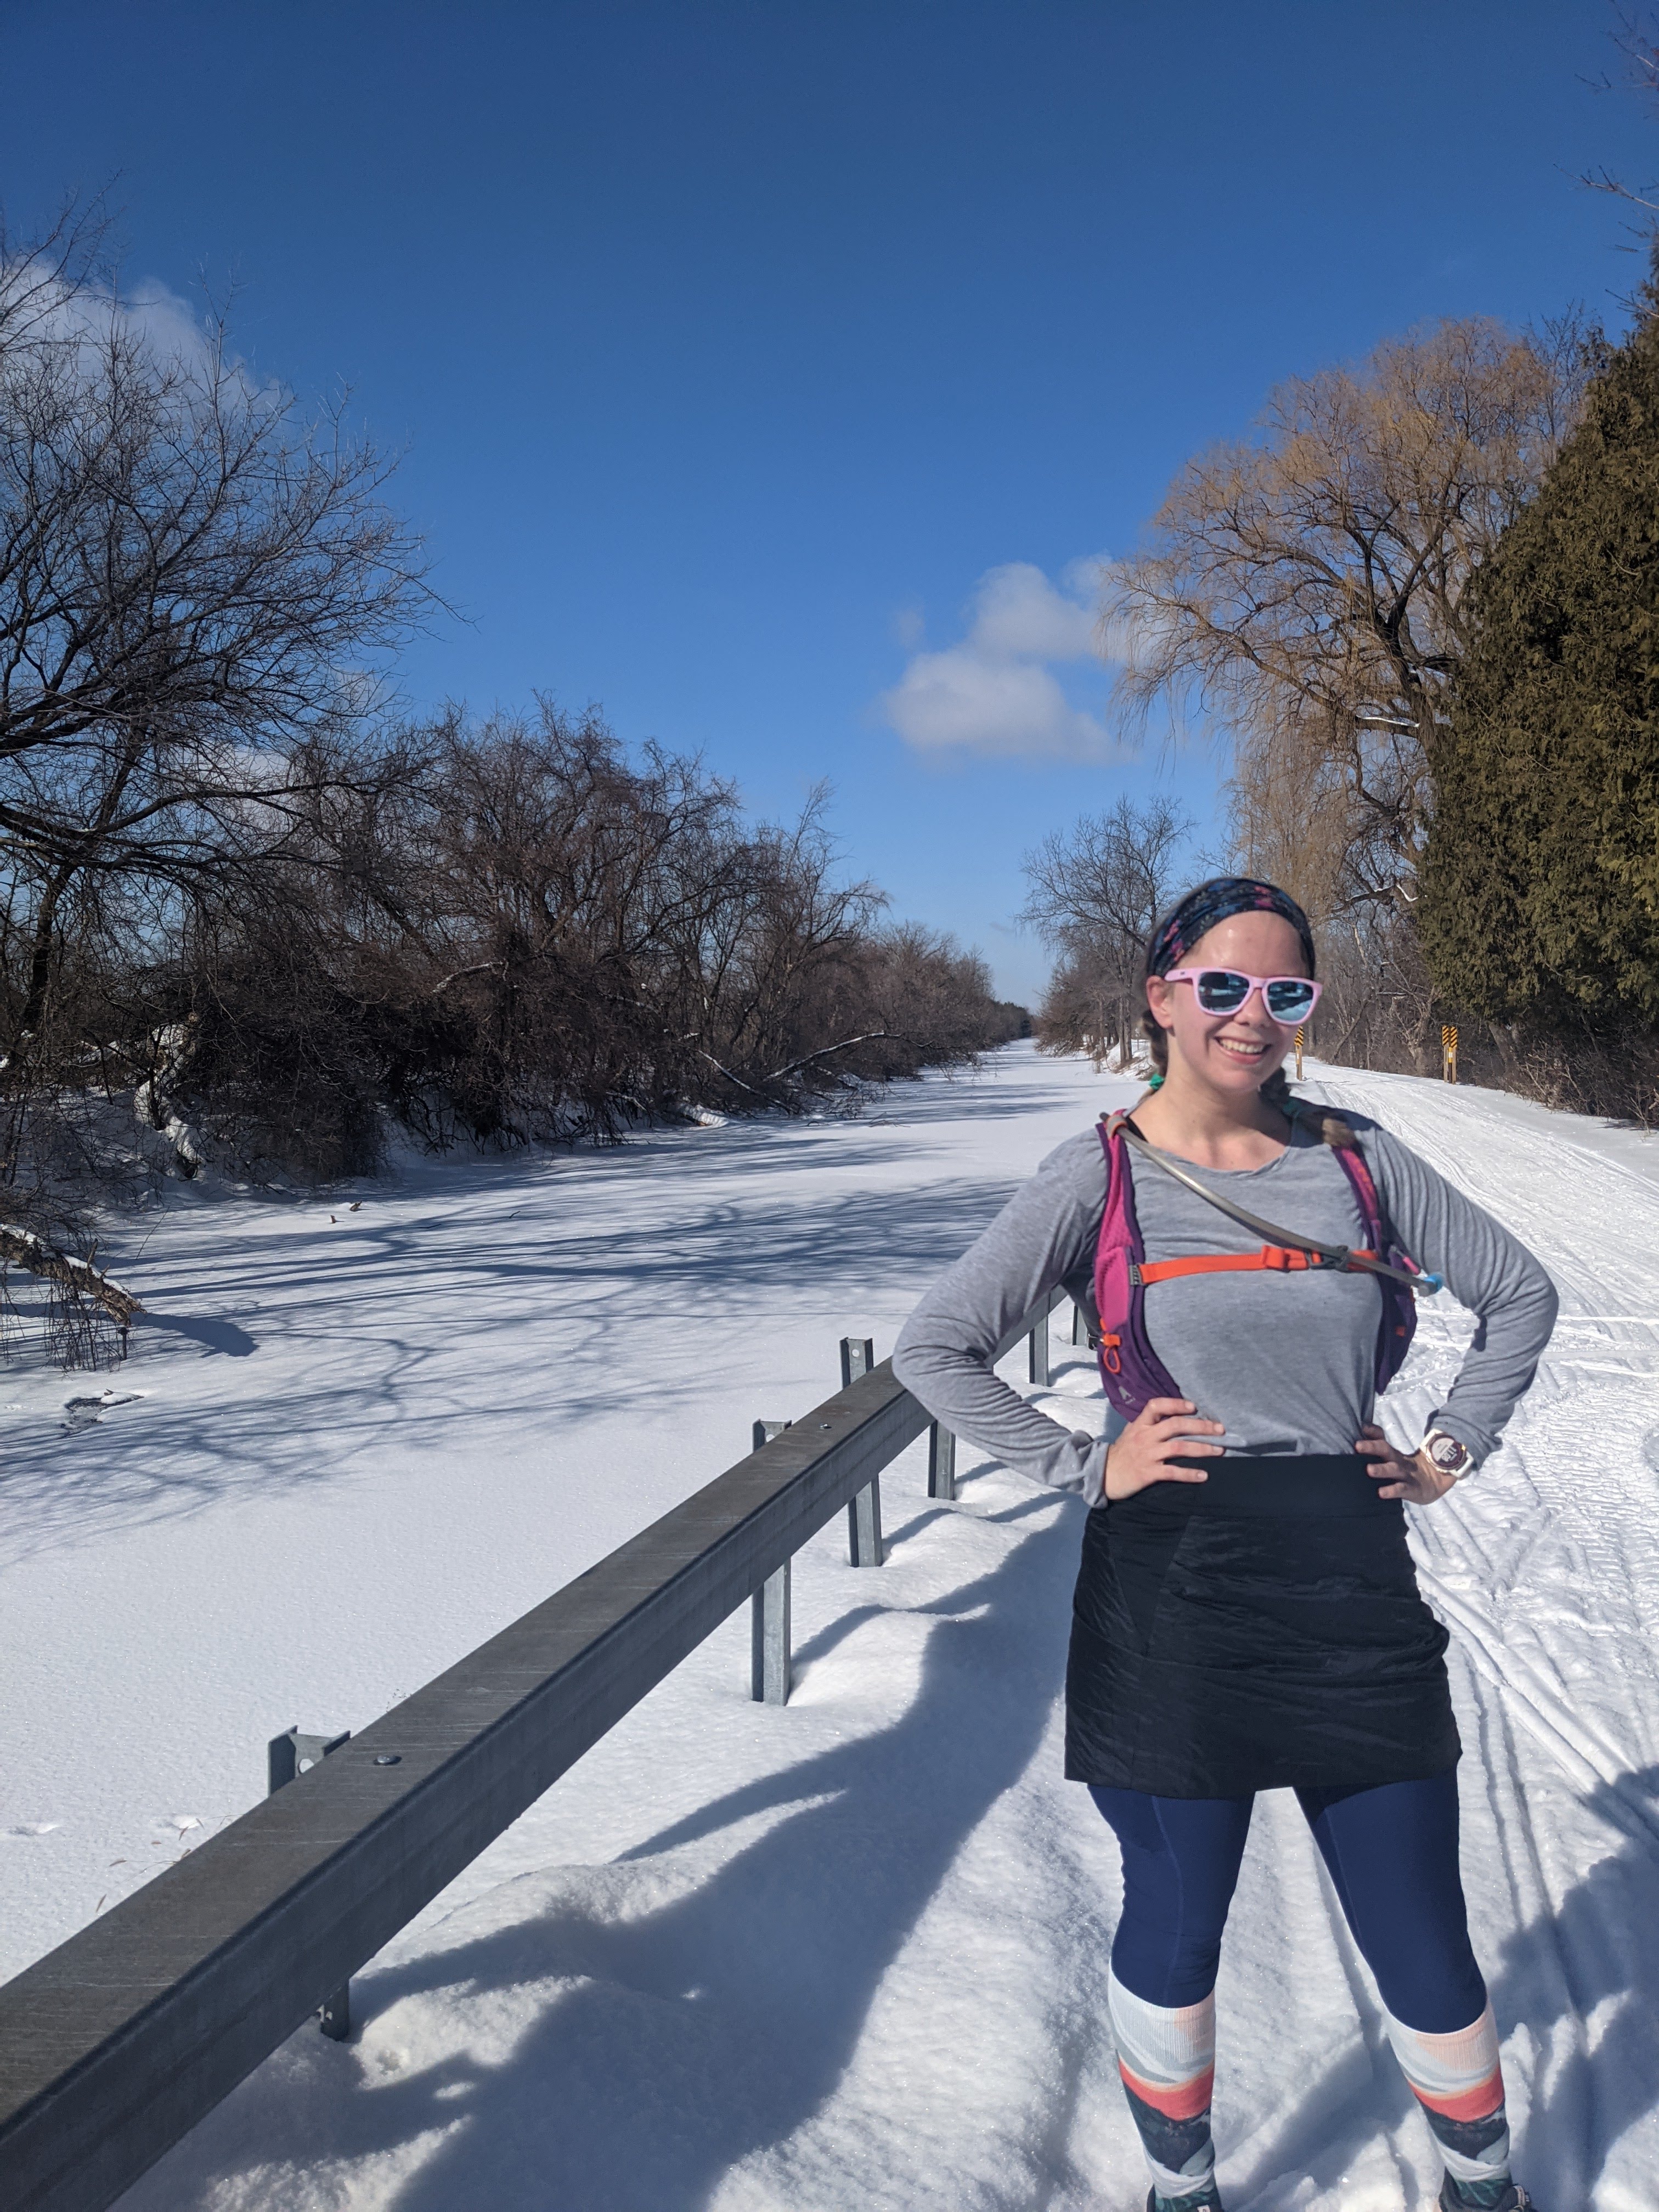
(1392, 1853)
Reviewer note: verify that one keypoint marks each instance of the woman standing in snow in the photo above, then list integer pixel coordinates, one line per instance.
(1246, 1616)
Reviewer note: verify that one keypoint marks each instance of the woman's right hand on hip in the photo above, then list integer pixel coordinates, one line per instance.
(1163, 1430)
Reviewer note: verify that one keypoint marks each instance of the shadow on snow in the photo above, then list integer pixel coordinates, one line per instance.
(707, 2029)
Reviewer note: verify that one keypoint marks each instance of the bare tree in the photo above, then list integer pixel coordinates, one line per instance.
(1096, 892)
(196, 581)
(1306, 586)
(551, 939)
(1636, 39)
(243, 914)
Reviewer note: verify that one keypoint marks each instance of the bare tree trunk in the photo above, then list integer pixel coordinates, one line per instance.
(20, 1248)
(39, 969)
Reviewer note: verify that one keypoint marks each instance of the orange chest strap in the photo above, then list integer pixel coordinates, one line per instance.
(1279, 1259)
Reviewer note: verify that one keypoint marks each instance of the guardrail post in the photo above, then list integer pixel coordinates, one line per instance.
(858, 1357)
(287, 1756)
(1038, 1343)
(941, 1462)
(769, 1615)
(864, 1527)
(1079, 1326)
(769, 1670)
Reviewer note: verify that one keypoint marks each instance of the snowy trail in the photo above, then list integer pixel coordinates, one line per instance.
(851, 1953)
(1567, 1540)
(1549, 1580)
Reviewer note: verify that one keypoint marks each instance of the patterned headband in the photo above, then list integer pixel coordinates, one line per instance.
(1213, 902)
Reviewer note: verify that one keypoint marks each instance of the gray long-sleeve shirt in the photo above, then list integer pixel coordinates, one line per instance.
(1286, 1361)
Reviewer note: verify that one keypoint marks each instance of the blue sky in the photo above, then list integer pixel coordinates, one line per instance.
(735, 343)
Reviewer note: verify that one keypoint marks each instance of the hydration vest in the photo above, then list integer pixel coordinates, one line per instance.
(1130, 1370)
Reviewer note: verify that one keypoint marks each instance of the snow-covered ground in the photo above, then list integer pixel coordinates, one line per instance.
(850, 1953)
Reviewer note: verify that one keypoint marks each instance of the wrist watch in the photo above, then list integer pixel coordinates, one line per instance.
(1446, 1453)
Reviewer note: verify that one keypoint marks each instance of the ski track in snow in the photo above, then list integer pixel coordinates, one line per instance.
(852, 1953)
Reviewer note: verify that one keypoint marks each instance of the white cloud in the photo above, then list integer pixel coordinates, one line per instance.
(37, 305)
(995, 693)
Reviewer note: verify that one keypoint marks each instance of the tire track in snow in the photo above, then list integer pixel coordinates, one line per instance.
(1578, 1748)
(1544, 2041)
(1592, 1220)
(1545, 1570)
(1595, 1222)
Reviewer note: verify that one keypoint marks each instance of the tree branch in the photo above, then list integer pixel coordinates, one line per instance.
(21, 1247)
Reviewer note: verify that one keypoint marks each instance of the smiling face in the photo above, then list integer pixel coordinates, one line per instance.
(1230, 1052)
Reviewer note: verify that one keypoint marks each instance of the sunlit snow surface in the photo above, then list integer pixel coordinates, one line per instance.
(852, 1953)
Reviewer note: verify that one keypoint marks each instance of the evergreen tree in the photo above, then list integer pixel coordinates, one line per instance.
(1540, 901)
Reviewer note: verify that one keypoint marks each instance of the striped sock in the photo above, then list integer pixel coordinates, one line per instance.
(1459, 2082)
(1166, 2054)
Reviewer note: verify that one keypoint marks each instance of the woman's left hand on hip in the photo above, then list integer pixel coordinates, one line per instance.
(1408, 1474)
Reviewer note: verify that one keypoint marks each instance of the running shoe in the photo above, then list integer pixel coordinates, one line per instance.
(1208, 2201)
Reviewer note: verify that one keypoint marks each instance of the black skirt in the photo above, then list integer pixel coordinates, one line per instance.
(1260, 1631)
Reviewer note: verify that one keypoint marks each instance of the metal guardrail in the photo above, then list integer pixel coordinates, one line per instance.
(116, 2043)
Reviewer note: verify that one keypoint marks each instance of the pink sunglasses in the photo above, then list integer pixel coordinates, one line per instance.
(1289, 1000)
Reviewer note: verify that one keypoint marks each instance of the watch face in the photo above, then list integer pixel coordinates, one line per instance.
(1448, 1454)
